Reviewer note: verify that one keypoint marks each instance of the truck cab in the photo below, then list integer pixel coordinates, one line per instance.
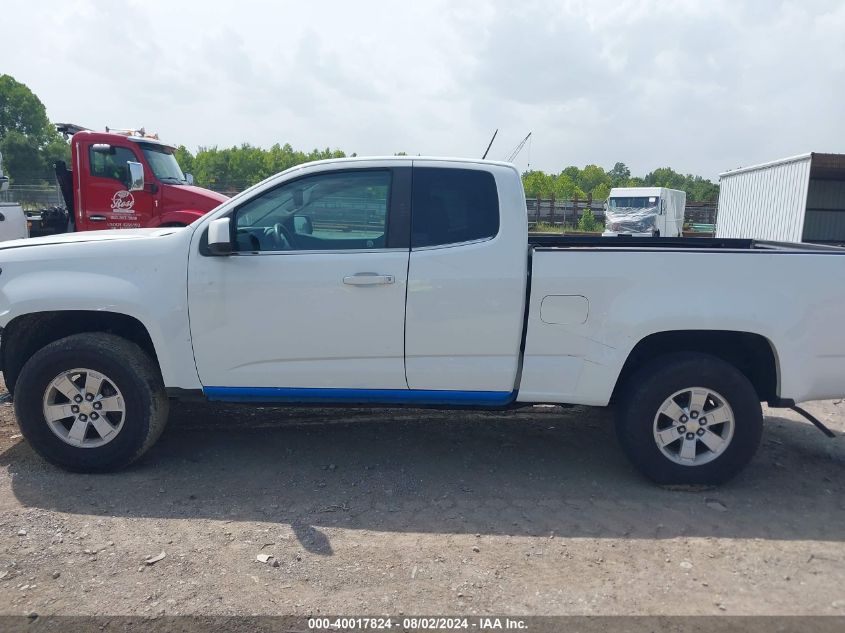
(645, 212)
(98, 192)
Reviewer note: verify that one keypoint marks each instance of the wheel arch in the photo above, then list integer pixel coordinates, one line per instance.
(752, 354)
(26, 334)
(176, 218)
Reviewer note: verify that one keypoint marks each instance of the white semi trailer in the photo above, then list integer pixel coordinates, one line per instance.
(796, 199)
(645, 212)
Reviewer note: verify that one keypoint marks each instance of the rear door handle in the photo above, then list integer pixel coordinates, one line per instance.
(97, 218)
(368, 279)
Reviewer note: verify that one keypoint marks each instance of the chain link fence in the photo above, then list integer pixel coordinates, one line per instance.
(32, 197)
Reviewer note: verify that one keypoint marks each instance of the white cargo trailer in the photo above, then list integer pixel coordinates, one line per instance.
(796, 199)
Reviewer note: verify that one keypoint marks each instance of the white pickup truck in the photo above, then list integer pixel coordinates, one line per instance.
(413, 282)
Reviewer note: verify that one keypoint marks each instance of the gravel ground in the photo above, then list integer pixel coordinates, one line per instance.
(396, 511)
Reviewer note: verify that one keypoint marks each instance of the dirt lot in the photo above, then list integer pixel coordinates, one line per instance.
(400, 511)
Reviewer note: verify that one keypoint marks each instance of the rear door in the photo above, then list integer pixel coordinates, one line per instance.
(107, 204)
(466, 280)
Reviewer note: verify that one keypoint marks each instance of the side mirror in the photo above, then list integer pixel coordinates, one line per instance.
(219, 237)
(189, 178)
(136, 176)
(302, 225)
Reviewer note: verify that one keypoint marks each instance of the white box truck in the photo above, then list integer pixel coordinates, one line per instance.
(645, 212)
(795, 199)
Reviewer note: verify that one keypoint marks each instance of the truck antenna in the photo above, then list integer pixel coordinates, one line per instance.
(490, 144)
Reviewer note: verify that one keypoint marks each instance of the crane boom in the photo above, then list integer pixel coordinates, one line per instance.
(518, 148)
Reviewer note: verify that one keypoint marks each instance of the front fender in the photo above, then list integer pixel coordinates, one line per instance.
(142, 279)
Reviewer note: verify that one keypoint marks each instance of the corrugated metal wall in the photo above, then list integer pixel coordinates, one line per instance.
(825, 220)
(766, 203)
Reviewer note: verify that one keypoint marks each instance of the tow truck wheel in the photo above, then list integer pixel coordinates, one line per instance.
(689, 419)
(91, 402)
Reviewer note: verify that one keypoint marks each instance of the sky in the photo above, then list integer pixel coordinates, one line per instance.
(700, 86)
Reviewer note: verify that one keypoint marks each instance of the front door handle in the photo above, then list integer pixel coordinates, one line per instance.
(368, 279)
(97, 218)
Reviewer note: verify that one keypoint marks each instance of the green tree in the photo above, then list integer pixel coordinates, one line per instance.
(574, 182)
(21, 111)
(537, 183)
(591, 177)
(573, 172)
(236, 168)
(619, 175)
(601, 191)
(564, 187)
(22, 157)
(29, 143)
(665, 177)
(57, 149)
(185, 159)
(588, 222)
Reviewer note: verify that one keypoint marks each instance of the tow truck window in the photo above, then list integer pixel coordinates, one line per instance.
(111, 164)
(164, 164)
(450, 206)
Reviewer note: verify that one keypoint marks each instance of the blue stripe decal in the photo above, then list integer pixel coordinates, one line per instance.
(358, 396)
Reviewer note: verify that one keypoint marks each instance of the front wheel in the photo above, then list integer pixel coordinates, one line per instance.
(90, 402)
(689, 419)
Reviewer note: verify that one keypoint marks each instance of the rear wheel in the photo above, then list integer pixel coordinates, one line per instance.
(91, 402)
(689, 419)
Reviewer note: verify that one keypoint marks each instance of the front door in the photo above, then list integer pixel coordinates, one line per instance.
(311, 306)
(107, 203)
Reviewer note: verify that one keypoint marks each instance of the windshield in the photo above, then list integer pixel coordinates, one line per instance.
(632, 214)
(633, 202)
(164, 165)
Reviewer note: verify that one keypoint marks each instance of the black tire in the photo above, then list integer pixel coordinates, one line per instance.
(646, 391)
(126, 365)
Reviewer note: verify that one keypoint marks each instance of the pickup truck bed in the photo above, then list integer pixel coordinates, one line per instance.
(414, 281)
(547, 240)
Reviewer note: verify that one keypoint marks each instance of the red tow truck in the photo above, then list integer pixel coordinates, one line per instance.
(123, 179)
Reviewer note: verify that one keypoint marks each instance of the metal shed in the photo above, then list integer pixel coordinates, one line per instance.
(796, 199)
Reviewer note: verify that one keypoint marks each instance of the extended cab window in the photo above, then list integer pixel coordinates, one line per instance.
(332, 211)
(453, 205)
(111, 164)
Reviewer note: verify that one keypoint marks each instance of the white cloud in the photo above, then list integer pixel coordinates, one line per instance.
(699, 86)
